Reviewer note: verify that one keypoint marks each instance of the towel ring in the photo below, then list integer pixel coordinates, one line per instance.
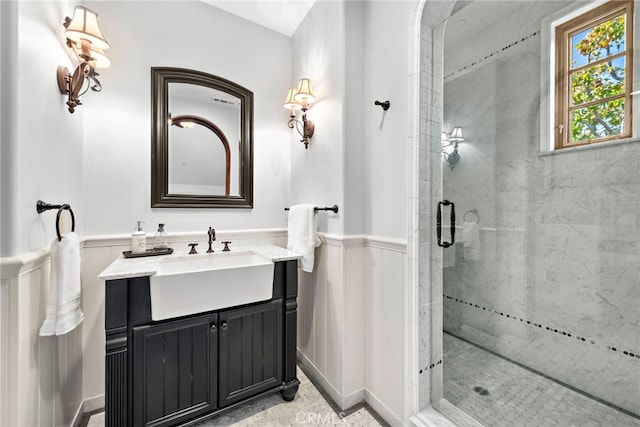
(73, 220)
(473, 212)
(43, 207)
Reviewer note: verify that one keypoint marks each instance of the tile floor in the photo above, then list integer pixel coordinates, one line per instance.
(509, 395)
(309, 408)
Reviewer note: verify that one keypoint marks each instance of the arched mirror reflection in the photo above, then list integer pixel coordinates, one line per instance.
(202, 133)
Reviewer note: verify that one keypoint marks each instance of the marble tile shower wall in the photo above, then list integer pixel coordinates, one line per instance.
(556, 286)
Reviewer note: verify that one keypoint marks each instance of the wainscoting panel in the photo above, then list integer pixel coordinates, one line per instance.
(351, 333)
(40, 377)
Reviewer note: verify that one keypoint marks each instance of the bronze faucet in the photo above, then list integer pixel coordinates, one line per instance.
(212, 237)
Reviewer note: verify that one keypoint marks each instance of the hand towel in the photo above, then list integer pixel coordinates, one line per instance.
(471, 237)
(303, 234)
(63, 309)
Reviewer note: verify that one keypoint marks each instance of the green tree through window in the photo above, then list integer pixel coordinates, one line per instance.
(595, 63)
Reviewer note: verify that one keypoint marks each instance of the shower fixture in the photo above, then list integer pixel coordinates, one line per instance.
(450, 143)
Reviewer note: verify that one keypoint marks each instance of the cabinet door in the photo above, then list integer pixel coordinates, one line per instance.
(250, 351)
(174, 371)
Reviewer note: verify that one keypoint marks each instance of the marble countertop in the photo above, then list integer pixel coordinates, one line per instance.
(123, 267)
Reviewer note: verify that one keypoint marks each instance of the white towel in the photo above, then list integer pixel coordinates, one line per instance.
(471, 237)
(303, 234)
(63, 310)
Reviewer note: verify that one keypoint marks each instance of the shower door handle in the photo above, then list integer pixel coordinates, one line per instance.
(439, 223)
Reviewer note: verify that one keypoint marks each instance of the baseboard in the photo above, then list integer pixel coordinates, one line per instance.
(377, 405)
(315, 375)
(92, 405)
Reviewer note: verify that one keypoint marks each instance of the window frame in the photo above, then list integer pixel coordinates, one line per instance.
(563, 49)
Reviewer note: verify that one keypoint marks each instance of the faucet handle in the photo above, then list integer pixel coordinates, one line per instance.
(193, 248)
(226, 246)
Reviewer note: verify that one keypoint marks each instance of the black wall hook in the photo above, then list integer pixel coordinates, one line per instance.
(385, 105)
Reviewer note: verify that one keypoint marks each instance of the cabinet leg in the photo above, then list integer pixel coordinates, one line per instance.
(290, 393)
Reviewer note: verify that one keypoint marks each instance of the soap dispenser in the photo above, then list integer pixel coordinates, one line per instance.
(139, 240)
(160, 241)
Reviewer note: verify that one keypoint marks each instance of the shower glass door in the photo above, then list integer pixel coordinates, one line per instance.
(541, 289)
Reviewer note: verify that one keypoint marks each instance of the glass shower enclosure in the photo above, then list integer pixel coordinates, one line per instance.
(541, 288)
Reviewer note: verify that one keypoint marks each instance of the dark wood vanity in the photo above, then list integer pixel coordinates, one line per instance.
(181, 371)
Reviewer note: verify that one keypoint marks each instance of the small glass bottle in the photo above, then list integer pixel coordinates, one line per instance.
(160, 241)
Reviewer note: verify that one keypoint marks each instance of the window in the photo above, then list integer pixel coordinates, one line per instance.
(594, 76)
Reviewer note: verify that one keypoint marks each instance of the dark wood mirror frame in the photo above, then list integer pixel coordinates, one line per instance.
(160, 196)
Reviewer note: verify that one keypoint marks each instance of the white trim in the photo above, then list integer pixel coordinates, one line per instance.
(361, 240)
(387, 243)
(89, 405)
(411, 379)
(11, 267)
(429, 417)
(381, 408)
(313, 372)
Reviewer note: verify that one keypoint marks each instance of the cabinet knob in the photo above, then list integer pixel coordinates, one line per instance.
(213, 328)
(224, 326)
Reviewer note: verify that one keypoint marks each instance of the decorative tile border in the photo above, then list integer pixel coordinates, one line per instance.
(633, 354)
(431, 366)
(507, 47)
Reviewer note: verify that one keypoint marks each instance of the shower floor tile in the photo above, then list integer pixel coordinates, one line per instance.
(496, 393)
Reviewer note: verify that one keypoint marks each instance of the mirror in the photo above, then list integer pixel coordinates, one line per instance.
(202, 141)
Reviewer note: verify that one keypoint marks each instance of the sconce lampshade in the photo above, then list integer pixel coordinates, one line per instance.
(445, 138)
(304, 92)
(456, 135)
(100, 58)
(290, 102)
(84, 25)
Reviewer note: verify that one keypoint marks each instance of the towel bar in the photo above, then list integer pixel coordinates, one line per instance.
(333, 209)
(42, 207)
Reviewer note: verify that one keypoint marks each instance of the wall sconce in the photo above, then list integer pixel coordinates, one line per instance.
(87, 42)
(299, 99)
(450, 140)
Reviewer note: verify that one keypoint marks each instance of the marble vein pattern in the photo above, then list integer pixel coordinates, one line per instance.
(498, 393)
(309, 408)
(559, 236)
(147, 266)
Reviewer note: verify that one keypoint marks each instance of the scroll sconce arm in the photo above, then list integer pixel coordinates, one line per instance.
(304, 127)
(73, 85)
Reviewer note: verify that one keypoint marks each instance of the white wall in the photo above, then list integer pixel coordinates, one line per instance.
(386, 134)
(41, 141)
(355, 53)
(352, 161)
(116, 173)
(317, 174)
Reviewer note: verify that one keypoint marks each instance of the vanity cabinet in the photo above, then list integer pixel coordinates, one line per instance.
(250, 351)
(180, 371)
(174, 370)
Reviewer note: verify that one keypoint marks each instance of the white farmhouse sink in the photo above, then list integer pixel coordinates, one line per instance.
(197, 283)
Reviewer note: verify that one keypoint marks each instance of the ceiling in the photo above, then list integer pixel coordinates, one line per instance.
(282, 16)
